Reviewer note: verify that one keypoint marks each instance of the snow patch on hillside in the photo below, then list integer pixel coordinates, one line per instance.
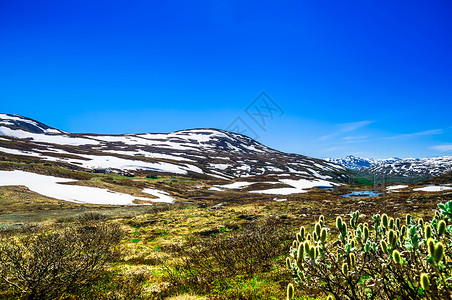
(19, 152)
(150, 155)
(236, 185)
(50, 186)
(395, 188)
(298, 186)
(433, 188)
(161, 195)
(220, 166)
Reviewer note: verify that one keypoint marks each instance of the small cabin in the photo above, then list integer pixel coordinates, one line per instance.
(152, 177)
(102, 171)
(127, 174)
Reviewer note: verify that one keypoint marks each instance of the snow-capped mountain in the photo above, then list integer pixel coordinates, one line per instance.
(355, 163)
(397, 169)
(413, 167)
(201, 152)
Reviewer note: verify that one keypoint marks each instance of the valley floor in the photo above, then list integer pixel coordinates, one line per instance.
(197, 248)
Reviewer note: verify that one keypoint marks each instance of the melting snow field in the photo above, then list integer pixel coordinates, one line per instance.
(395, 188)
(298, 186)
(217, 189)
(161, 195)
(235, 185)
(51, 187)
(433, 188)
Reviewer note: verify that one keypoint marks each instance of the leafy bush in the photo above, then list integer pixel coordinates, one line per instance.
(243, 253)
(91, 217)
(387, 259)
(48, 264)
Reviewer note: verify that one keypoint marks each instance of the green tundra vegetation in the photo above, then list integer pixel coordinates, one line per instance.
(198, 249)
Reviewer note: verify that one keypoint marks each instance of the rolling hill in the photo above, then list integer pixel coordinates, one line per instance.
(202, 153)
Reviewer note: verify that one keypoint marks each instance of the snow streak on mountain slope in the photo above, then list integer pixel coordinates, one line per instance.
(355, 163)
(201, 152)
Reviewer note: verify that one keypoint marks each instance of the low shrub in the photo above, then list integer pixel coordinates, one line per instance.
(243, 253)
(91, 217)
(48, 264)
(387, 259)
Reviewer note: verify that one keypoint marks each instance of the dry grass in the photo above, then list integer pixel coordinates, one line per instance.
(186, 297)
(16, 199)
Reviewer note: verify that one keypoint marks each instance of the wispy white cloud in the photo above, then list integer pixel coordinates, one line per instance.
(443, 148)
(399, 136)
(420, 133)
(354, 138)
(327, 137)
(345, 127)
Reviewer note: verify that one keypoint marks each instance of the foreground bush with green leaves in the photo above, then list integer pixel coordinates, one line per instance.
(51, 263)
(234, 263)
(386, 259)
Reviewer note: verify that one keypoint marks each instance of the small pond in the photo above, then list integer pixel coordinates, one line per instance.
(362, 194)
(325, 187)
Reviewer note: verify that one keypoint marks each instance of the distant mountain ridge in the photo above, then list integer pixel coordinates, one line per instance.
(397, 170)
(414, 167)
(200, 152)
(355, 163)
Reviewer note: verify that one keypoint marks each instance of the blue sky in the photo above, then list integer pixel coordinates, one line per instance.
(369, 78)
